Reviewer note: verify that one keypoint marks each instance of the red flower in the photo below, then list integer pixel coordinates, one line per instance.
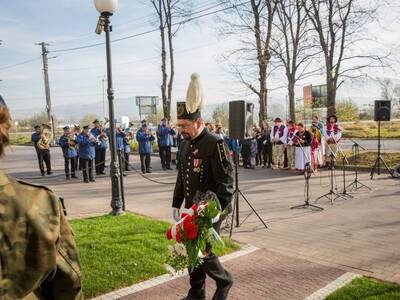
(178, 237)
(169, 234)
(195, 207)
(191, 230)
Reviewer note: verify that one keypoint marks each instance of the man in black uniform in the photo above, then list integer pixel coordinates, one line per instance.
(203, 164)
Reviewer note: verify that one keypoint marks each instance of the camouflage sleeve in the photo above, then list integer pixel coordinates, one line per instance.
(222, 174)
(65, 282)
(37, 250)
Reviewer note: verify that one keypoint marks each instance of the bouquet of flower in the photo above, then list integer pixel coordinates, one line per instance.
(194, 233)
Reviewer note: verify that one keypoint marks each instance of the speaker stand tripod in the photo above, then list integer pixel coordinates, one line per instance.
(379, 158)
(307, 175)
(236, 194)
(356, 184)
(331, 195)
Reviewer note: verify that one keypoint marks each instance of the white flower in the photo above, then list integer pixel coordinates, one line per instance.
(171, 249)
(180, 249)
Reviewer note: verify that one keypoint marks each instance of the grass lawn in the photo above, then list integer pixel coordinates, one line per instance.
(120, 251)
(367, 158)
(20, 139)
(367, 289)
(370, 130)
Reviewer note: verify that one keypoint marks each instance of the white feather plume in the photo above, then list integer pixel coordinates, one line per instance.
(194, 95)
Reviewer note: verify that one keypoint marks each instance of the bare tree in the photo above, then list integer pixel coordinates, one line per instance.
(340, 26)
(292, 46)
(251, 23)
(169, 13)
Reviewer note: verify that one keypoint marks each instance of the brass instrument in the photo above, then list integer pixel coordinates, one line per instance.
(72, 140)
(45, 138)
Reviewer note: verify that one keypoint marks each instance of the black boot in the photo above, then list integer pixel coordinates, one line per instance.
(213, 268)
(197, 285)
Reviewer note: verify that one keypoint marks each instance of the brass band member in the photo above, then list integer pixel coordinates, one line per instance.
(41, 139)
(101, 147)
(87, 144)
(68, 145)
(127, 147)
(39, 258)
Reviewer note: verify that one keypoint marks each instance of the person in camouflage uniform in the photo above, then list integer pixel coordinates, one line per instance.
(38, 255)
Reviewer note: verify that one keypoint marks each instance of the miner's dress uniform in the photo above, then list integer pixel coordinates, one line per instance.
(204, 164)
(37, 247)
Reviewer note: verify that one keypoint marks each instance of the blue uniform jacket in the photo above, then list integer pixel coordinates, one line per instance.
(87, 148)
(164, 135)
(35, 138)
(144, 141)
(120, 141)
(103, 143)
(67, 151)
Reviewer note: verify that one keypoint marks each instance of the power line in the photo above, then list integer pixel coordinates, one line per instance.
(151, 30)
(20, 63)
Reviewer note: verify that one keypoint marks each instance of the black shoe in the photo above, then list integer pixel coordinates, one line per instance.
(86, 180)
(67, 177)
(74, 176)
(148, 171)
(124, 174)
(164, 169)
(169, 168)
(92, 180)
(102, 173)
(49, 172)
(143, 171)
(43, 174)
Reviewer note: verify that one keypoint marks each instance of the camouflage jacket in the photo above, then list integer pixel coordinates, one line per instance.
(37, 248)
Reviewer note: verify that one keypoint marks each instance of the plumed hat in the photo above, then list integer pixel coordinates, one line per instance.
(191, 109)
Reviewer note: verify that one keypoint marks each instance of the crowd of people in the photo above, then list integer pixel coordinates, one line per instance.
(285, 146)
(280, 146)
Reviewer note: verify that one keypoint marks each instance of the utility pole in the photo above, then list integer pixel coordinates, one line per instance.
(47, 86)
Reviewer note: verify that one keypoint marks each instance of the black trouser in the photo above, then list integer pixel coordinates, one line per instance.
(87, 168)
(165, 155)
(126, 161)
(212, 267)
(44, 155)
(259, 158)
(100, 160)
(67, 163)
(285, 158)
(145, 161)
(267, 155)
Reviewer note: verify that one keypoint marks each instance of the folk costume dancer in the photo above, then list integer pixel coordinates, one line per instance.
(68, 145)
(204, 164)
(290, 147)
(333, 134)
(303, 147)
(319, 128)
(278, 137)
(87, 152)
(39, 257)
(41, 140)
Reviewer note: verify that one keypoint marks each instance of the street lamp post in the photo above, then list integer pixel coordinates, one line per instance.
(106, 8)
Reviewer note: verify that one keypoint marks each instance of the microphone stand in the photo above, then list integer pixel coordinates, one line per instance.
(331, 195)
(356, 184)
(344, 162)
(308, 170)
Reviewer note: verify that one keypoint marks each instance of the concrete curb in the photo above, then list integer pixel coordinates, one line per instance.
(333, 286)
(247, 249)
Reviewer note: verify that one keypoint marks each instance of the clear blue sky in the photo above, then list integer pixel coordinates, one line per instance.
(75, 77)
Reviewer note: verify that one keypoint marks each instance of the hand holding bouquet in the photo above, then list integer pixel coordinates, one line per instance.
(194, 233)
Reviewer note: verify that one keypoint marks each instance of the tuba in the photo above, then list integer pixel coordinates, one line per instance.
(45, 138)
